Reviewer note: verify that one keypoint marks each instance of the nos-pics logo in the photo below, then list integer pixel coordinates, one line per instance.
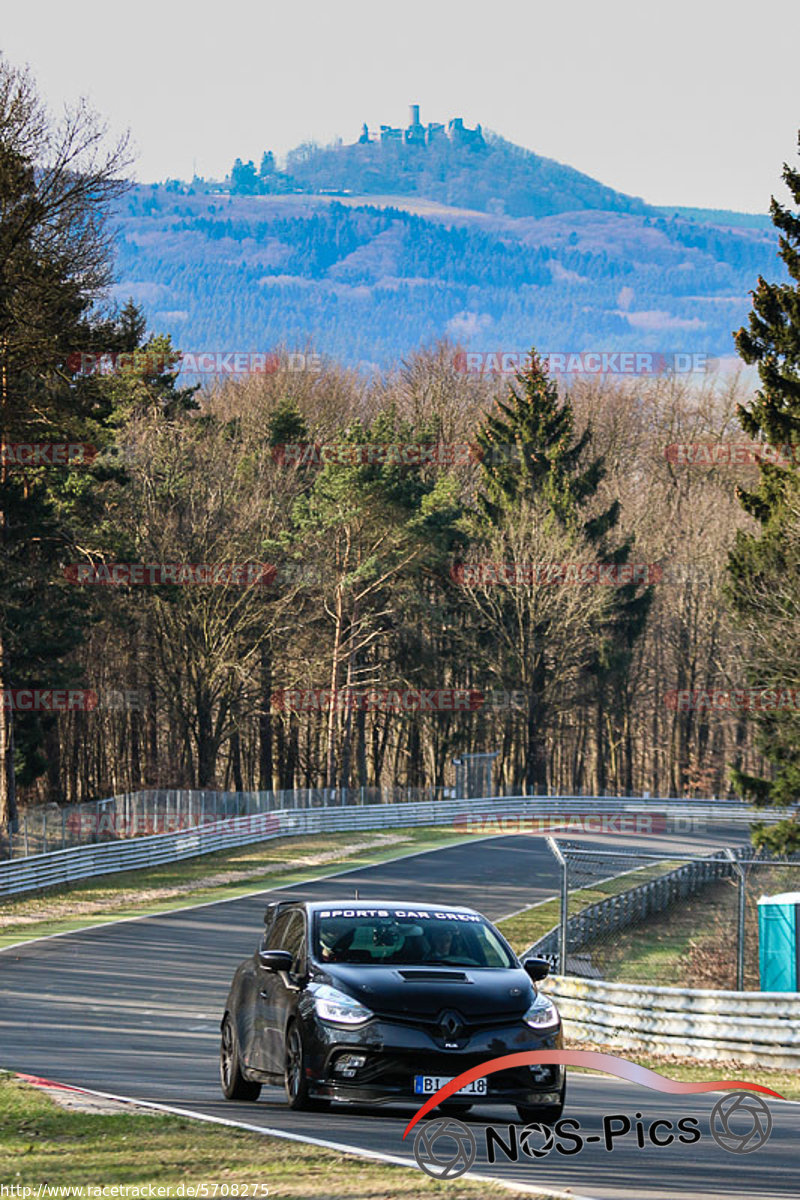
(445, 1148)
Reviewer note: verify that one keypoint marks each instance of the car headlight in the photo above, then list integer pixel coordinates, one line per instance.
(542, 1014)
(332, 1005)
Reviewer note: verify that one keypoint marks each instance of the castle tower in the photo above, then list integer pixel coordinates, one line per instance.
(414, 115)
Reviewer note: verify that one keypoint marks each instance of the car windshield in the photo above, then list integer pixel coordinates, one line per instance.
(389, 937)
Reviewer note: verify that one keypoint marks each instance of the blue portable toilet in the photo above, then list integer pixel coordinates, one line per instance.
(779, 942)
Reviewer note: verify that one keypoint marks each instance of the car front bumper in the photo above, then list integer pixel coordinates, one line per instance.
(395, 1054)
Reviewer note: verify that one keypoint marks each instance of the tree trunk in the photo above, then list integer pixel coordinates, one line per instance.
(291, 756)
(600, 742)
(152, 737)
(236, 761)
(535, 749)
(206, 744)
(8, 790)
(52, 747)
(361, 746)
(330, 768)
(265, 723)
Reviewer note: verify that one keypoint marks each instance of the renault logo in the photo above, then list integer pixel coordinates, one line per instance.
(451, 1026)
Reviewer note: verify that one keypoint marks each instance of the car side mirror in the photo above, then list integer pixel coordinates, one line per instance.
(275, 960)
(537, 968)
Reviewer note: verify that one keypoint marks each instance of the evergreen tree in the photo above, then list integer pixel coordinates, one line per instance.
(763, 566)
(244, 180)
(531, 456)
(377, 527)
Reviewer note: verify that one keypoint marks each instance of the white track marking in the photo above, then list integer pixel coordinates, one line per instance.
(341, 1147)
(166, 912)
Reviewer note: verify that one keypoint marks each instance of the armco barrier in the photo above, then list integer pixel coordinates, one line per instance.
(495, 815)
(44, 828)
(753, 1028)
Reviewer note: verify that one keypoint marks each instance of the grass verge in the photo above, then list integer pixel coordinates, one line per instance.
(695, 941)
(668, 946)
(223, 875)
(526, 927)
(42, 1142)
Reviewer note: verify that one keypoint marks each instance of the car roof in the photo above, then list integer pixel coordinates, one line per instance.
(369, 903)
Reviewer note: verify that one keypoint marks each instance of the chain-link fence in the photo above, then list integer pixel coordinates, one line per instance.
(474, 775)
(684, 921)
(48, 827)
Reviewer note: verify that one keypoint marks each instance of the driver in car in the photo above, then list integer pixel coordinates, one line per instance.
(333, 942)
(441, 944)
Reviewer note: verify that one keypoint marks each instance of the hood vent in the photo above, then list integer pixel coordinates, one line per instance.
(431, 976)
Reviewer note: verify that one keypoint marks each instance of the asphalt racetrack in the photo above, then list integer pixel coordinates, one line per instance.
(133, 1009)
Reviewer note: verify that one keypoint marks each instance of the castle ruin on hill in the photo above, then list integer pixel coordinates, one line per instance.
(417, 134)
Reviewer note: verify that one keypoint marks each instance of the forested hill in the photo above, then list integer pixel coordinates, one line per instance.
(493, 176)
(369, 280)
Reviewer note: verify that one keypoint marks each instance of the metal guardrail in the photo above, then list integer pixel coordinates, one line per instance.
(44, 828)
(758, 1028)
(493, 815)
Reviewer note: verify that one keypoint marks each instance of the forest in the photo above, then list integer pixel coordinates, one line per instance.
(316, 577)
(370, 284)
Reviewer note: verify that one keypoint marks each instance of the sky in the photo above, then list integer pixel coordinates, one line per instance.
(692, 103)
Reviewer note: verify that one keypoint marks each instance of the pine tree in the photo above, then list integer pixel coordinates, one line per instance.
(531, 455)
(763, 566)
(244, 180)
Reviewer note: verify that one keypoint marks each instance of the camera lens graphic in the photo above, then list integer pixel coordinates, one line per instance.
(740, 1122)
(537, 1140)
(444, 1148)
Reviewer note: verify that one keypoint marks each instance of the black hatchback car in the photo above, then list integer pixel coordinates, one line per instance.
(382, 1002)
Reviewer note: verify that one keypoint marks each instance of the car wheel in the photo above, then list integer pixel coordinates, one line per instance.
(295, 1080)
(234, 1084)
(542, 1114)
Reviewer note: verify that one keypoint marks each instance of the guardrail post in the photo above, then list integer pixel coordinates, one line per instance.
(742, 900)
(562, 940)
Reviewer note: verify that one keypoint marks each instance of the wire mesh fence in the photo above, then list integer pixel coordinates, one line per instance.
(42, 828)
(684, 921)
(49, 827)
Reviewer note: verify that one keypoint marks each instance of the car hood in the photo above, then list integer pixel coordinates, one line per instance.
(422, 992)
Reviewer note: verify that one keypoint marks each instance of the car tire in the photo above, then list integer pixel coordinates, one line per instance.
(294, 1075)
(234, 1084)
(542, 1114)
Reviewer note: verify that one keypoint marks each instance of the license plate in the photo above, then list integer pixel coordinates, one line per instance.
(426, 1085)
